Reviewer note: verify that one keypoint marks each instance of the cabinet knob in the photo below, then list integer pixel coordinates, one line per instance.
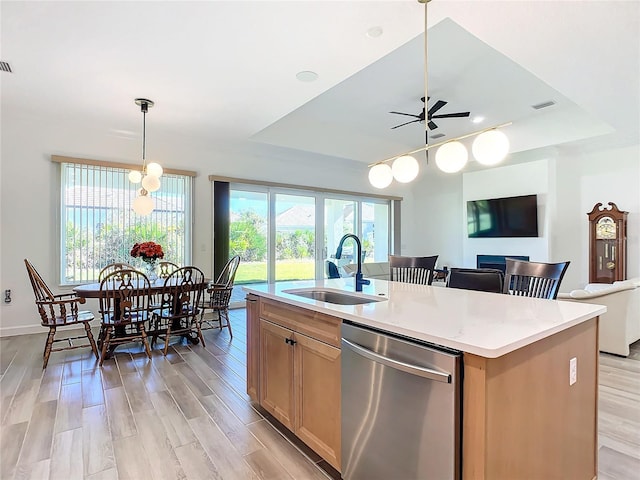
(290, 341)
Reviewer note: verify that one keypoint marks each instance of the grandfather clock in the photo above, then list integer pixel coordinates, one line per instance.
(607, 244)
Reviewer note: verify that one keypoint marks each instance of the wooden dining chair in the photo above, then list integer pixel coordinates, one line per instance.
(533, 279)
(166, 268)
(179, 307)
(479, 279)
(59, 311)
(113, 267)
(124, 310)
(412, 269)
(217, 297)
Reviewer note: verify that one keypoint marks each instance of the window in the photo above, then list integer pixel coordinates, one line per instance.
(98, 227)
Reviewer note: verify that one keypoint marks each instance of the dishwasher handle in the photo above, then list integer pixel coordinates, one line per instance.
(397, 364)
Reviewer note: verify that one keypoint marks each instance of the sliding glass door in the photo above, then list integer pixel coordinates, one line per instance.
(284, 234)
(295, 237)
(248, 234)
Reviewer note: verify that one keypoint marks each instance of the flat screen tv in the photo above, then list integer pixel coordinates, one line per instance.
(503, 217)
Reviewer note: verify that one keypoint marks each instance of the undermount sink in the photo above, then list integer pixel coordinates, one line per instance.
(332, 296)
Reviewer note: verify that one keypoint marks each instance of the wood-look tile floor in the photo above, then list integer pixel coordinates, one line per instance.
(187, 416)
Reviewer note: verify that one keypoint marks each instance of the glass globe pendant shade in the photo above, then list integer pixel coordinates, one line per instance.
(405, 168)
(150, 183)
(135, 176)
(154, 169)
(451, 157)
(380, 176)
(490, 147)
(142, 205)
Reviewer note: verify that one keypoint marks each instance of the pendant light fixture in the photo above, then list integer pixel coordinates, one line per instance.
(150, 173)
(489, 148)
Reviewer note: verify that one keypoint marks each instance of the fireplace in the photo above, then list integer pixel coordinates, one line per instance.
(496, 261)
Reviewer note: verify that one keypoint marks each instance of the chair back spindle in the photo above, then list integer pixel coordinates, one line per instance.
(412, 269)
(534, 279)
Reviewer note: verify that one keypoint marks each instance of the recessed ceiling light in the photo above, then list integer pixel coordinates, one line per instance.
(477, 119)
(375, 32)
(307, 76)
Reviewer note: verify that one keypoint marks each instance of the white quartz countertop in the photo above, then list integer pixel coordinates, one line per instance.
(485, 324)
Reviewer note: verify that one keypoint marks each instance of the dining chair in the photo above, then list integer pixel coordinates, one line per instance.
(479, 279)
(166, 268)
(332, 269)
(179, 307)
(217, 297)
(112, 267)
(412, 269)
(124, 310)
(58, 311)
(533, 279)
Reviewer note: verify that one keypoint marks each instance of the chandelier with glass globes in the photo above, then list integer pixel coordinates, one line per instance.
(149, 175)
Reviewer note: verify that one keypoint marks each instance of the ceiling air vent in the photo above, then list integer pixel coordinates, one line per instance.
(5, 67)
(542, 105)
(437, 135)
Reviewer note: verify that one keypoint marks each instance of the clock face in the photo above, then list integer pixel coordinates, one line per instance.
(605, 229)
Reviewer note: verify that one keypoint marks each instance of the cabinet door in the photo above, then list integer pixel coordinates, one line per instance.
(317, 380)
(253, 347)
(276, 373)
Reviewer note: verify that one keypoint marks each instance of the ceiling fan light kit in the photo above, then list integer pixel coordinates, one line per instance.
(451, 157)
(405, 168)
(490, 146)
(380, 175)
(150, 173)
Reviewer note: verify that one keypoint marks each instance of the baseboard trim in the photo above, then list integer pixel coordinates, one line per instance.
(21, 330)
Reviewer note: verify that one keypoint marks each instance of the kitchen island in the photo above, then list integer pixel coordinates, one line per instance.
(521, 418)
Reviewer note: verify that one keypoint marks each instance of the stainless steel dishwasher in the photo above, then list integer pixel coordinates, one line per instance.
(400, 408)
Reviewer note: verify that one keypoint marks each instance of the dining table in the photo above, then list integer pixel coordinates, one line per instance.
(93, 290)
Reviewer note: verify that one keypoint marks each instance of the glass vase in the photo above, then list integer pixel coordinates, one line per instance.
(150, 266)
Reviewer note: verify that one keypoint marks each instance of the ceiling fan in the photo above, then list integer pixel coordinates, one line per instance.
(431, 124)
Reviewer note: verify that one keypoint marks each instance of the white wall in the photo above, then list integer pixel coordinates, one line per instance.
(509, 181)
(584, 180)
(437, 203)
(29, 202)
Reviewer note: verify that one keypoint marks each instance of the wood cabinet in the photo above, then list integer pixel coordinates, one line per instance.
(299, 373)
(253, 347)
(522, 418)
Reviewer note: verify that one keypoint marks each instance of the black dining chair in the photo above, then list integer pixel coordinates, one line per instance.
(533, 279)
(412, 269)
(479, 279)
(332, 269)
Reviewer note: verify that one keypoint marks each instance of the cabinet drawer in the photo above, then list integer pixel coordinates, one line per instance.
(316, 325)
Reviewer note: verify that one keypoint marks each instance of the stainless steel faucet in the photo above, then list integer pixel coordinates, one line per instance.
(360, 281)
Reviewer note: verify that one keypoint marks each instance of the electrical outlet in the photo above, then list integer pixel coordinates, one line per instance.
(573, 371)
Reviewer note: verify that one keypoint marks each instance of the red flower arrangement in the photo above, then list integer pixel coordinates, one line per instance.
(148, 251)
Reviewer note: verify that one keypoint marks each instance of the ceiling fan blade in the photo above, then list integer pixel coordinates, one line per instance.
(432, 126)
(452, 115)
(407, 114)
(437, 106)
(403, 124)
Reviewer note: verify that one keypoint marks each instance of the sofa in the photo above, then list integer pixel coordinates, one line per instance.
(620, 324)
(369, 270)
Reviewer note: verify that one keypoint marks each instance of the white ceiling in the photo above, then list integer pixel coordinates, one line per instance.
(225, 71)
